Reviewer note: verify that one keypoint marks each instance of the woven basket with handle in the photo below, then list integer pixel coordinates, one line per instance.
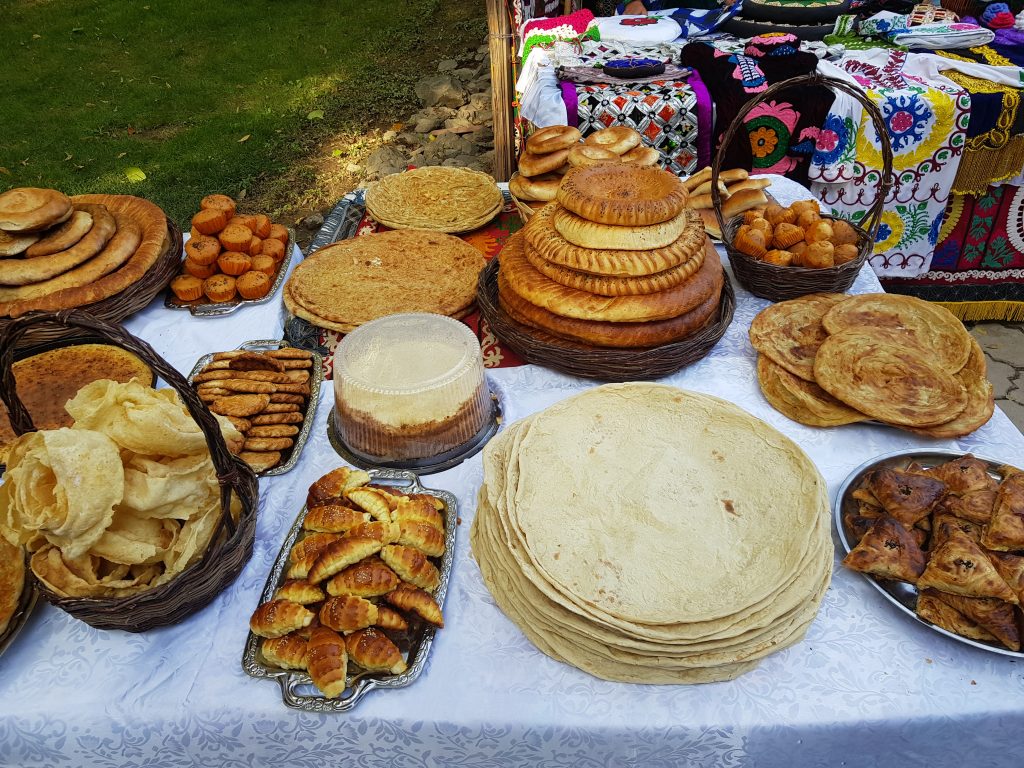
(231, 544)
(777, 283)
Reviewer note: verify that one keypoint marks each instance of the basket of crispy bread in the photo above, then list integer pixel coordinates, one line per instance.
(138, 514)
(781, 253)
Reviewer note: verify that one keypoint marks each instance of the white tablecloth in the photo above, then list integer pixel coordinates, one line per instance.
(866, 687)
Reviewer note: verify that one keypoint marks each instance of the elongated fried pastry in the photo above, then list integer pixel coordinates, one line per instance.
(383, 531)
(346, 613)
(299, 569)
(279, 617)
(327, 661)
(339, 555)
(888, 551)
(411, 565)
(931, 608)
(373, 651)
(332, 486)
(333, 518)
(423, 537)
(390, 620)
(367, 578)
(904, 495)
(298, 591)
(287, 652)
(312, 544)
(995, 616)
(964, 475)
(373, 501)
(418, 510)
(414, 600)
(1005, 531)
(960, 566)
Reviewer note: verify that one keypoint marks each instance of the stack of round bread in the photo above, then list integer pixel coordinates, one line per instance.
(617, 261)
(829, 359)
(647, 534)
(439, 198)
(58, 252)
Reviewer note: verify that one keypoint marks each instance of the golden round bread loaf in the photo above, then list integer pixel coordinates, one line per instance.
(30, 209)
(931, 326)
(887, 375)
(14, 244)
(534, 165)
(642, 156)
(981, 402)
(63, 236)
(800, 400)
(618, 139)
(540, 232)
(544, 292)
(583, 155)
(24, 272)
(622, 194)
(790, 332)
(552, 139)
(537, 188)
(604, 285)
(588, 234)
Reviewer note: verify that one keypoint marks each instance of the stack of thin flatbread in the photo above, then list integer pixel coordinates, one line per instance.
(829, 359)
(346, 284)
(441, 198)
(58, 252)
(616, 261)
(952, 530)
(647, 534)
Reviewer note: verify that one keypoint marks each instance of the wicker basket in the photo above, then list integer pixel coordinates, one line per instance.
(525, 211)
(776, 283)
(604, 363)
(231, 545)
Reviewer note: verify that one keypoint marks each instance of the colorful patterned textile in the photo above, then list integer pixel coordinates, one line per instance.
(665, 113)
(694, 22)
(978, 268)
(576, 27)
(926, 13)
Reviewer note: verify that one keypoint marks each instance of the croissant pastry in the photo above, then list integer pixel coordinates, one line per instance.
(331, 488)
(414, 600)
(418, 510)
(287, 652)
(391, 620)
(312, 544)
(333, 518)
(367, 578)
(339, 555)
(383, 531)
(327, 661)
(298, 591)
(373, 651)
(278, 618)
(377, 503)
(423, 537)
(411, 565)
(347, 613)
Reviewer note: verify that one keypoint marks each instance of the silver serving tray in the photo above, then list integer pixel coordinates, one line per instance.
(203, 308)
(901, 594)
(316, 377)
(297, 689)
(26, 603)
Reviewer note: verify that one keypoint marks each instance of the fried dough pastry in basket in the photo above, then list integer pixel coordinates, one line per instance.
(961, 567)
(367, 578)
(287, 652)
(415, 600)
(339, 555)
(327, 661)
(347, 613)
(412, 566)
(279, 617)
(905, 496)
(373, 651)
(888, 551)
(333, 518)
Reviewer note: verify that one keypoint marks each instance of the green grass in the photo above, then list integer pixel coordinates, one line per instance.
(207, 96)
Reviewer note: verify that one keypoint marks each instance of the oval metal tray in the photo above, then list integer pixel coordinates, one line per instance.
(297, 689)
(901, 594)
(316, 377)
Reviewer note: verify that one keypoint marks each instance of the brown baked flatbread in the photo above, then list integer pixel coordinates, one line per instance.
(30, 272)
(888, 551)
(62, 236)
(790, 332)
(981, 403)
(240, 405)
(960, 566)
(13, 244)
(800, 400)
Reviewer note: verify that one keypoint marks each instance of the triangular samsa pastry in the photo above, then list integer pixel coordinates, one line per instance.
(944, 524)
(904, 495)
(960, 567)
(1005, 531)
(889, 551)
(1011, 568)
(932, 609)
(964, 475)
(976, 506)
(995, 616)
(857, 525)
(864, 495)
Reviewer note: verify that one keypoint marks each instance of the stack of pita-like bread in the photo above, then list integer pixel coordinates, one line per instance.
(952, 531)
(58, 252)
(829, 359)
(346, 284)
(643, 533)
(616, 261)
(440, 198)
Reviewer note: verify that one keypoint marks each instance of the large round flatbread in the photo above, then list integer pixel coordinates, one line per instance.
(439, 198)
(981, 402)
(355, 281)
(23, 272)
(790, 332)
(930, 326)
(622, 194)
(30, 209)
(559, 299)
(14, 244)
(801, 400)
(884, 374)
(542, 236)
(719, 506)
(63, 236)
(589, 234)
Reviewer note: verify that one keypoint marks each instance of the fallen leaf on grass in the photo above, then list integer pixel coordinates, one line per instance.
(245, 138)
(134, 175)
(316, 114)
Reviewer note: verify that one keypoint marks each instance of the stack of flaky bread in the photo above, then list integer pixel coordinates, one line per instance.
(552, 152)
(58, 252)
(617, 261)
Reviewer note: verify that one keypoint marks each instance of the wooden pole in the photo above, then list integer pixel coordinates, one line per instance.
(500, 44)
